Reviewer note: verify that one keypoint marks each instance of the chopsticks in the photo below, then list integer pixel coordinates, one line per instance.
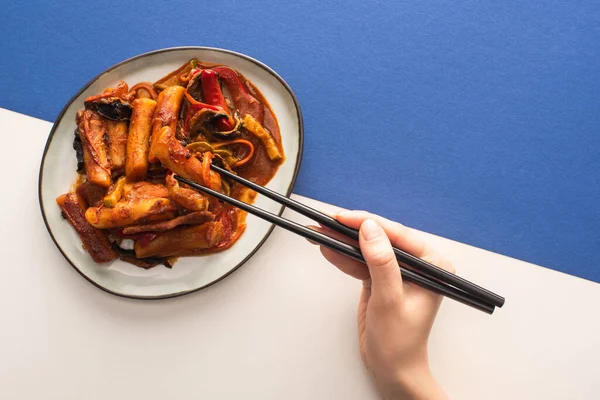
(417, 277)
(403, 257)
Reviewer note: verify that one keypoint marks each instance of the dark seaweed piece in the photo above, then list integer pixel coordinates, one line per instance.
(112, 108)
(228, 135)
(78, 146)
(194, 87)
(146, 263)
(203, 123)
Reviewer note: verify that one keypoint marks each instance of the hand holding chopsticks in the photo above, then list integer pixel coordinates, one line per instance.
(413, 269)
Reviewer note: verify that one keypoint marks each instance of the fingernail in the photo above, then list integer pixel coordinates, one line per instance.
(371, 230)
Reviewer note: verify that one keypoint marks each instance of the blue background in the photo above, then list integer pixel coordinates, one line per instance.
(474, 120)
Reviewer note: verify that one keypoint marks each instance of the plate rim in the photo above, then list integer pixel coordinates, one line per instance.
(143, 55)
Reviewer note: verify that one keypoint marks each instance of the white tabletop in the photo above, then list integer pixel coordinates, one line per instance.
(281, 327)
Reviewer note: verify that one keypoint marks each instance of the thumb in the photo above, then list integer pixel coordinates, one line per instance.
(376, 248)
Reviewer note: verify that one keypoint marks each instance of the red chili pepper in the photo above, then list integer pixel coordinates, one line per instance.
(194, 107)
(244, 102)
(232, 78)
(193, 73)
(214, 96)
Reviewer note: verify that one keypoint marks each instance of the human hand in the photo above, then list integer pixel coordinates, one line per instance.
(394, 317)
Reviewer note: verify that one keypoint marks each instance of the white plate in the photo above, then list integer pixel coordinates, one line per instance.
(57, 173)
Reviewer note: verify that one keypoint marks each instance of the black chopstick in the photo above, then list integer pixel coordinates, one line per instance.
(403, 257)
(344, 248)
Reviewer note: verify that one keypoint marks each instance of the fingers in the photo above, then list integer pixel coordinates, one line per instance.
(331, 233)
(347, 265)
(386, 280)
(401, 236)
(435, 258)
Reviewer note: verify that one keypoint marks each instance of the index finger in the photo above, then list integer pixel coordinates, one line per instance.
(400, 236)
